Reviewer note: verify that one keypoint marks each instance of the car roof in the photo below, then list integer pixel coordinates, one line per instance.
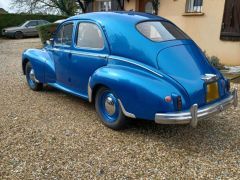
(121, 16)
(123, 38)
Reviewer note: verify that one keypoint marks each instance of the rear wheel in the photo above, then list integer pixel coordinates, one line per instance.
(109, 110)
(18, 35)
(31, 79)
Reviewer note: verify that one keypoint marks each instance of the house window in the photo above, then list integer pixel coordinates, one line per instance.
(194, 6)
(230, 30)
(104, 5)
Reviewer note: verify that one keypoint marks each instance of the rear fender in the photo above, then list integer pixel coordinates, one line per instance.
(141, 93)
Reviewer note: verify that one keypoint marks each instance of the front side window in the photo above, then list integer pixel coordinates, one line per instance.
(64, 35)
(89, 36)
(160, 31)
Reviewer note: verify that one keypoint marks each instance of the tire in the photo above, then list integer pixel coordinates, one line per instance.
(109, 109)
(31, 80)
(18, 35)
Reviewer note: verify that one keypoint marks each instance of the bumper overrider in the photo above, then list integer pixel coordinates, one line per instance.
(196, 114)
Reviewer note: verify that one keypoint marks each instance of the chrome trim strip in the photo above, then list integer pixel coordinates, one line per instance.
(136, 64)
(62, 50)
(124, 110)
(104, 56)
(89, 91)
(195, 114)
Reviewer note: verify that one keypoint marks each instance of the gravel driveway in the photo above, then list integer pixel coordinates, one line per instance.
(52, 135)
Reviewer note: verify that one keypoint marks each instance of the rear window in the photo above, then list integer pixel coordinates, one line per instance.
(159, 31)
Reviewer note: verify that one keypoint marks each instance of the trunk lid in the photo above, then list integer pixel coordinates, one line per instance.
(187, 64)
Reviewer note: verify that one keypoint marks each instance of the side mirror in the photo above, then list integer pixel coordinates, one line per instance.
(50, 42)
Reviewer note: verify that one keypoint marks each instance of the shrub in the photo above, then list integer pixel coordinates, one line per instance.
(215, 61)
(45, 31)
(8, 20)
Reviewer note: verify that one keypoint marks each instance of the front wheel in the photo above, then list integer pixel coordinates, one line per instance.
(18, 35)
(109, 110)
(31, 79)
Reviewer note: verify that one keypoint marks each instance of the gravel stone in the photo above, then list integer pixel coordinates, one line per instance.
(53, 135)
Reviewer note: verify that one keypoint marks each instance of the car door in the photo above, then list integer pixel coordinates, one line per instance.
(30, 28)
(61, 53)
(90, 52)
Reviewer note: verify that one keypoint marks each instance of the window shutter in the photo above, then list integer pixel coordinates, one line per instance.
(231, 21)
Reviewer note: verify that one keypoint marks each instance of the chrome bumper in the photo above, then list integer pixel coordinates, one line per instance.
(195, 114)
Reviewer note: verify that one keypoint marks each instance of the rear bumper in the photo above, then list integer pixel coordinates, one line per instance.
(196, 114)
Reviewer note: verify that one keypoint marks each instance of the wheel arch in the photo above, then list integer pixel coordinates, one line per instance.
(95, 89)
(24, 63)
(18, 31)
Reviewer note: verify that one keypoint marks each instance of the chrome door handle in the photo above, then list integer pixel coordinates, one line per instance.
(102, 56)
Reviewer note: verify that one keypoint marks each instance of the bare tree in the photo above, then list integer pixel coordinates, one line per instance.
(64, 7)
(84, 4)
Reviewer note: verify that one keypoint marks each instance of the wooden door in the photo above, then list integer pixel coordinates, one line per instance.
(231, 21)
(143, 4)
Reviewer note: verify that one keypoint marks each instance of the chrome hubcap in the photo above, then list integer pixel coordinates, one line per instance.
(110, 106)
(32, 76)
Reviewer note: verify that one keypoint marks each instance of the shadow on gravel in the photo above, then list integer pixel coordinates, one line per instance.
(208, 136)
(205, 138)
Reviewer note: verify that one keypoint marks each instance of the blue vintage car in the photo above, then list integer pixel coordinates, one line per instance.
(131, 65)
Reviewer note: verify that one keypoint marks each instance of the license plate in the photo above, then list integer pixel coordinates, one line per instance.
(212, 92)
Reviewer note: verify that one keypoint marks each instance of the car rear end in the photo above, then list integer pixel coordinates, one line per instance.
(182, 60)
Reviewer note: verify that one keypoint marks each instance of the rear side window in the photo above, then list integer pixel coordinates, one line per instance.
(32, 24)
(41, 22)
(64, 35)
(89, 36)
(159, 31)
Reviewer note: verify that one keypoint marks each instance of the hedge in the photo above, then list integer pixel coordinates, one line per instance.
(9, 20)
(45, 31)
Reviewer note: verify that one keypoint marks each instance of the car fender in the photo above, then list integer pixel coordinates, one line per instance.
(141, 93)
(38, 59)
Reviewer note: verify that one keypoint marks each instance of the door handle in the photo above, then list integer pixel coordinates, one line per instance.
(102, 56)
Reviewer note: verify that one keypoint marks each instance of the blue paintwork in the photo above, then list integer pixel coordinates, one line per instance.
(139, 71)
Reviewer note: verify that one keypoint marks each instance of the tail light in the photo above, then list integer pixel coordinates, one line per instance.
(177, 101)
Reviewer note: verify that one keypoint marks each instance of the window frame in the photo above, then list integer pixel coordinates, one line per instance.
(188, 10)
(89, 48)
(60, 28)
(189, 38)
